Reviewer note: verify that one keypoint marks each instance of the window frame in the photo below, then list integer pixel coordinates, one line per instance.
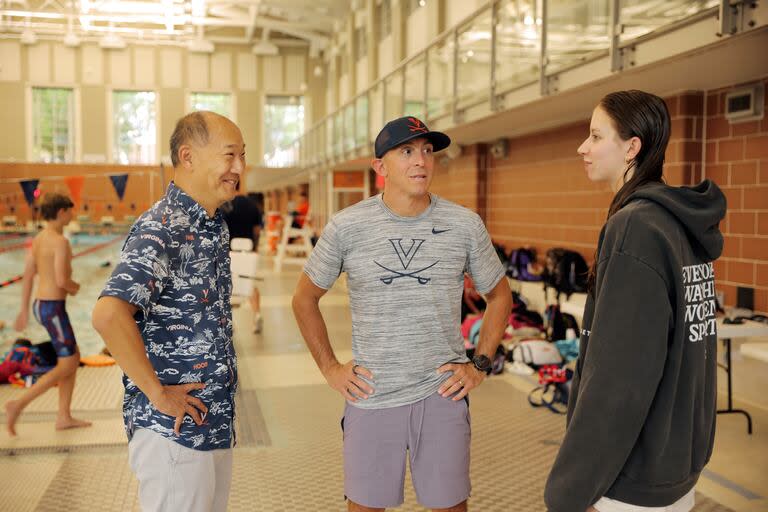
(76, 123)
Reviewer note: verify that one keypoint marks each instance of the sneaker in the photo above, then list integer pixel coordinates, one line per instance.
(258, 323)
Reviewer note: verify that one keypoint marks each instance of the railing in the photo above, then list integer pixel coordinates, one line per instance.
(502, 47)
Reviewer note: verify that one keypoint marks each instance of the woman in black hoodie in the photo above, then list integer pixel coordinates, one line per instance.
(641, 416)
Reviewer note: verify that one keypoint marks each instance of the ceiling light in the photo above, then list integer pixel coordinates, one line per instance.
(265, 48)
(28, 36)
(112, 41)
(200, 46)
(71, 40)
(198, 8)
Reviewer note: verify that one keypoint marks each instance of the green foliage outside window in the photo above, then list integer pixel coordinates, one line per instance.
(135, 127)
(283, 125)
(52, 125)
(213, 102)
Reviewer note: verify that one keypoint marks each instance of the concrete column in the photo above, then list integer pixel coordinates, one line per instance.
(333, 81)
(398, 30)
(435, 18)
(351, 54)
(372, 35)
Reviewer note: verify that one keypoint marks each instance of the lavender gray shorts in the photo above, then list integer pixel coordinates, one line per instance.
(434, 432)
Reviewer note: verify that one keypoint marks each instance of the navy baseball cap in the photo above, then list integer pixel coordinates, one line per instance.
(401, 130)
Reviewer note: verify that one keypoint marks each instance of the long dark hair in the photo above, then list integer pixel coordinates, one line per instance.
(645, 116)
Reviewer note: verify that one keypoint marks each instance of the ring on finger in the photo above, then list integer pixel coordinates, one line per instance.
(354, 368)
(461, 382)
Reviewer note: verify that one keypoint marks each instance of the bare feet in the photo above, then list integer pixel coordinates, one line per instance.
(67, 423)
(12, 411)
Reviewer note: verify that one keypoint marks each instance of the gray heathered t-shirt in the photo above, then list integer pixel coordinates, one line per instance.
(405, 277)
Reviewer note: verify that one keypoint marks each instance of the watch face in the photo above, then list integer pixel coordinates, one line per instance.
(482, 363)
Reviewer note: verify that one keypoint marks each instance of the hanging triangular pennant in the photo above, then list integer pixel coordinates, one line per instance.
(29, 187)
(119, 181)
(75, 185)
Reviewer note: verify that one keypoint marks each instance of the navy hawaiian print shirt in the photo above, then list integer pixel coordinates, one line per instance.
(175, 268)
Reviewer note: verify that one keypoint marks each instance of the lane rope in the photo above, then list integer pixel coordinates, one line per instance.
(16, 279)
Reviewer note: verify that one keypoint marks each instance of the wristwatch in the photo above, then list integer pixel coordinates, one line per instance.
(482, 363)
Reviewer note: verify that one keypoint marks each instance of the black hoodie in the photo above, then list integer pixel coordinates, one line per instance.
(641, 416)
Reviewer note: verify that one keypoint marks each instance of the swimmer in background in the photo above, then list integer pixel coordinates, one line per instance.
(50, 258)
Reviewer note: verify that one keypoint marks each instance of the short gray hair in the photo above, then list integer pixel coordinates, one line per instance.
(190, 128)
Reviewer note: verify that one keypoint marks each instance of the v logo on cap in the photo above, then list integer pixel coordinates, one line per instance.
(416, 126)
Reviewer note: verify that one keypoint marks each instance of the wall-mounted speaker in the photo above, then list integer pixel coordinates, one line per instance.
(745, 103)
(500, 149)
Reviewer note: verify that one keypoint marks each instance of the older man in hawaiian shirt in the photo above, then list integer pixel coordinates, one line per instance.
(165, 316)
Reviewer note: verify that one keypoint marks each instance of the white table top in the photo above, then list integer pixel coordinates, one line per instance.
(748, 329)
(755, 350)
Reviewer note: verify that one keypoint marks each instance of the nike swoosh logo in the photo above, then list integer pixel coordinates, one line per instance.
(436, 231)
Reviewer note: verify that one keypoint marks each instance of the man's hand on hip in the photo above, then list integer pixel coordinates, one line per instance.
(175, 401)
(465, 377)
(345, 378)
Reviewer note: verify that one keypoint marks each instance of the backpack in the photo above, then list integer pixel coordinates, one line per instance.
(497, 365)
(558, 323)
(555, 386)
(535, 353)
(518, 265)
(500, 252)
(565, 271)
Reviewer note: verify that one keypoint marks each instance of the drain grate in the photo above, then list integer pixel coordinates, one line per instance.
(251, 427)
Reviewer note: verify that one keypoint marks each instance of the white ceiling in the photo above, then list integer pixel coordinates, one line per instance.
(284, 22)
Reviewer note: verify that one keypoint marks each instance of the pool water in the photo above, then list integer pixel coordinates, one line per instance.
(91, 269)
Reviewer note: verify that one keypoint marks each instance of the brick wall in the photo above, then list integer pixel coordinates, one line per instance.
(736, 157)
(458, 181)
(540, 196)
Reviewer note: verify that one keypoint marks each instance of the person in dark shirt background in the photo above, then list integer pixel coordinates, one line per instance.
(244, 219)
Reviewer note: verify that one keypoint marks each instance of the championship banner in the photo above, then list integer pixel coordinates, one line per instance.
(75, 186)
(29, 187)
(119, 181)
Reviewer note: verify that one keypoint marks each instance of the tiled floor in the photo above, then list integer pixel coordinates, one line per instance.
(289, 453)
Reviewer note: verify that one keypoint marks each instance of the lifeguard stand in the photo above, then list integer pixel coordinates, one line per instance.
(295, 243)
(244, 265)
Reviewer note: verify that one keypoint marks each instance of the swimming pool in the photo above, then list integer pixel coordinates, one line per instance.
(95, 256)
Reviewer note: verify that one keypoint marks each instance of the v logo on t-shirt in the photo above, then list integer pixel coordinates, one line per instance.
(406, 256)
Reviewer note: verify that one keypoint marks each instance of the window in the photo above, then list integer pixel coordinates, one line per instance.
(283, 125)
(53, 139)
(361, 43)
(414, 108)
(384, 17)
(221, 103)
(134, 127)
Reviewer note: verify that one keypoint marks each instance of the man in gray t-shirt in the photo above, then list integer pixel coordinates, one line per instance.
(405, 253)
